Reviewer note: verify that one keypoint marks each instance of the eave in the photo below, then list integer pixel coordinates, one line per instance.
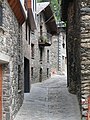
(30, 19)
(17, 10)
(50, 20)
(30, 16)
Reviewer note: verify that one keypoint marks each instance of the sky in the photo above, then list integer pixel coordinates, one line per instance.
(22, 1)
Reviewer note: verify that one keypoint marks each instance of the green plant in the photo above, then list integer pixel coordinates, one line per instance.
(43, 39)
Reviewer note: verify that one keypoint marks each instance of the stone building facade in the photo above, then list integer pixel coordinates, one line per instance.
(28, 35)
(78, 50)
(58, 52)
(40, 46)
(35, 53)
(54, 55)
(11, 58)
(62, 58)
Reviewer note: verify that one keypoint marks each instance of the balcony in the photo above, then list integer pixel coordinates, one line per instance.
(45, 39)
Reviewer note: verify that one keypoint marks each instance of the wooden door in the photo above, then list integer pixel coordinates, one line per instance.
(0, 92)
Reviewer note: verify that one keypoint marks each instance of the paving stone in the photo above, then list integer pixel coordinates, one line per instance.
(49, 100)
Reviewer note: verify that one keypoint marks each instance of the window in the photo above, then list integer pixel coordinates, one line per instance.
(32, 51)
(48, 56)
(41, 54)
(40, 30)
(29, 36)
(19, 76)
(47, 72)
(40, 75)
(41, 25)
(28, 33)
(62, 57)
(63, 37)
(63, 44)
(31, 73)
(0, 14)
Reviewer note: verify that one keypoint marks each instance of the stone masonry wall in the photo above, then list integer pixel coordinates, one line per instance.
(73, 47)
(77, 41)
(62, 52)
(36, 63)
(54, 55)
(26, 46)
(11, 45)
(58, 53)
(78, 51)
(85, 55)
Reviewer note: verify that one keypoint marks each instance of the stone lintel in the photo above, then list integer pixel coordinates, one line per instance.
(4, 58)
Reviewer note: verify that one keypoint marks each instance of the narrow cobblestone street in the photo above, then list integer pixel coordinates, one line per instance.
(49, 100)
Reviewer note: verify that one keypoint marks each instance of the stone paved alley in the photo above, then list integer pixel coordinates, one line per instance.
(49, 100)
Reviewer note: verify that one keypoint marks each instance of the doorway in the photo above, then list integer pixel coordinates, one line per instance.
(0, 92)
(26, 76)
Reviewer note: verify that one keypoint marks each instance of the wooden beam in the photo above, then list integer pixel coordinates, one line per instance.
(17, 10)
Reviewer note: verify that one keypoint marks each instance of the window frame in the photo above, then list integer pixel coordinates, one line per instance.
(47, 72)
(48, 56)
(32, 50)
(32, 73)
(41, 54)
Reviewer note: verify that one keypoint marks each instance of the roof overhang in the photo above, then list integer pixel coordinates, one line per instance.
(18, 10)
(49, 18)
(30, 19)
(30, 16)
(64, 9)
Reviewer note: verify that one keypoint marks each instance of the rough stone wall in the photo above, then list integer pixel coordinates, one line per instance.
(73, 46)
(78, 51)
(11, 45)
(70, 48)
(85, 56)
(54, 55)
(26, 46)
(36, 63)
(62, 52)
(58, 53)
(77, 54)
(35, 60)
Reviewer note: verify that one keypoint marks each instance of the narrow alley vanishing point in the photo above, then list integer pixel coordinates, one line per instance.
(49, 100)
